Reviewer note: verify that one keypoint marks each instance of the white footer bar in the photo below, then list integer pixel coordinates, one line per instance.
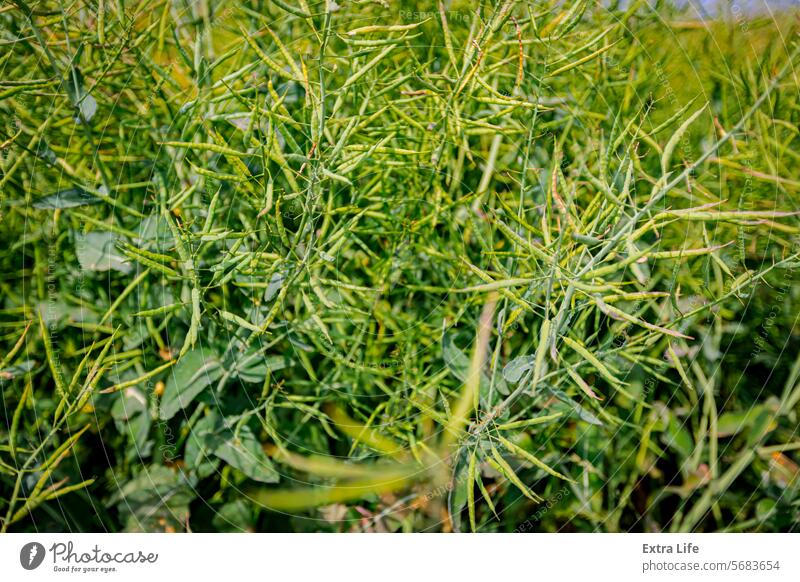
(410, 558)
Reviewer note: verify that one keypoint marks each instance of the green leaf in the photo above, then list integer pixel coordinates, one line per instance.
(81, 99)
(96, 251)
(242, 451)
(457, 494)
(68, 198)
(765, 508)
(582, 413)
(131, 418)
(458, 363)
(677, 437)
(156, 498)
(760, 427)
(196, 370)
(517, 367)
(200, 446)
(253, 367)
(732, 423)
(17, 370)
(236, 516)
(154, 233)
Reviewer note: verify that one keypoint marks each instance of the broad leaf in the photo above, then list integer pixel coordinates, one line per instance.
(517, 367)
(157, 499)
(96, 251)
(242, 451)
(200, 446)
(253, 367)
(458, 363)
(68, 198)
(196, 370)
(81, 99)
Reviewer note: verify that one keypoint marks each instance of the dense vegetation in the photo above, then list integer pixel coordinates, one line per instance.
(355, 266)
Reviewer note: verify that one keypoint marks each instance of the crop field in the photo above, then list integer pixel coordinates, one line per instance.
(375, 266)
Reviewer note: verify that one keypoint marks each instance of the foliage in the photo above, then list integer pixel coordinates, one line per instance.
(346, 266)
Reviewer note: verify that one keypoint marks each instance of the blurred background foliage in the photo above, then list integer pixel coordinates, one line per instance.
(359, 266)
